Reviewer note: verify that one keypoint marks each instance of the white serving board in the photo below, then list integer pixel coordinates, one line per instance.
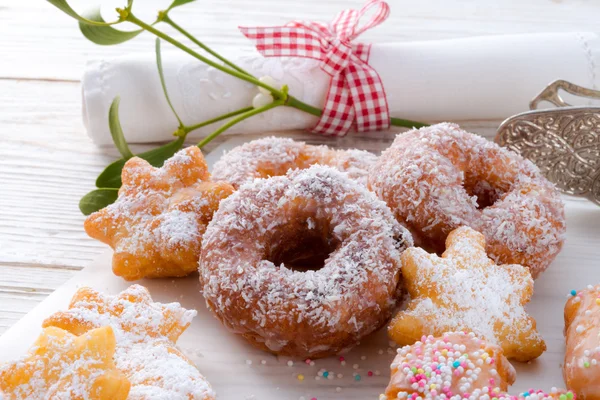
(224, 358)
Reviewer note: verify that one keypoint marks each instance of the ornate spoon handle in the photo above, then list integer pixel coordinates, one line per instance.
(563, 142)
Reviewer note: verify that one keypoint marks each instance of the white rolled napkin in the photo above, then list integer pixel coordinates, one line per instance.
(488, 77)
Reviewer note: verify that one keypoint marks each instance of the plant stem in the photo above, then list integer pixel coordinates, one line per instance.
(300, 105)
(281, 97)
(277, 94)
(240, 118)
(169, 21)
(190, 128)
(407, 123)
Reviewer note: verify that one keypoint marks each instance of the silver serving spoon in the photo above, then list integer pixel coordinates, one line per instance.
(563, 142)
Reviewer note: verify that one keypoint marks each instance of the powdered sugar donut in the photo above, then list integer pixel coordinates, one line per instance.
(303, 264)
(440, 177)
(274, 156)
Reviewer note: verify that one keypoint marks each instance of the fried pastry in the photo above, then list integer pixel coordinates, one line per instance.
(581, 368)
(453, 364)
(146, 334)
(273, 156)
(464, 290)
(156, 225)
(303, 265)
(441, 177)
(61, 365)
(456, 365)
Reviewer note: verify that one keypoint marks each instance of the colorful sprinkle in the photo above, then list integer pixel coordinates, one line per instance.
(357, 378)
(370, 373)
(300, 377)
(325, 374)
(573, 292)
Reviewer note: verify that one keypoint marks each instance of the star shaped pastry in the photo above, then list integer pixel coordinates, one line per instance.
(146, 333)
(464, 290)
(61, 365)
(131, 313)
(156, 225)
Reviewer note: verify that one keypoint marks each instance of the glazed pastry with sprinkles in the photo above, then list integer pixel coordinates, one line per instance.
(581, 368)
(439, 178)
(272, 156)
(303, 265)
(456, 365)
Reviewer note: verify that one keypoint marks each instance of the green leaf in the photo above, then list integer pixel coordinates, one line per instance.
(177, 3)
(162, 80)
(116, 131)
(111, 176)
(104, 35)
(64, 6)
(97, 199)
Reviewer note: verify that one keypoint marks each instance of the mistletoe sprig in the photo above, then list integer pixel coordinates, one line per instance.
(97, 30)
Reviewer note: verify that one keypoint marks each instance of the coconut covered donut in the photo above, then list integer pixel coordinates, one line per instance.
(274, 156)
(440, 177)
(304, 264)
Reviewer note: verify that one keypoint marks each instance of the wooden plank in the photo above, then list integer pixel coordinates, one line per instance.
(47, 163)
(220, 354)
(41, 42)
(23, 286)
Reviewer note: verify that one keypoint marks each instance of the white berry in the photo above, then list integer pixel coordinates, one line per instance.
(267, 80)
(261, 100)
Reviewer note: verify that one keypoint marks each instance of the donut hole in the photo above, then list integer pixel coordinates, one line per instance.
(301, 248)
(485, 193)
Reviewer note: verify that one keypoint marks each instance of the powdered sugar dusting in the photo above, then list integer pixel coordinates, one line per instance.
(63, 366)
(441, 177)
(146, 333)
(464, 290)
(156, 224)
(303, 313)
(274, 156)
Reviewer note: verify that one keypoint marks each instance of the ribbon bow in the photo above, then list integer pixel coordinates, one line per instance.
(355, 92)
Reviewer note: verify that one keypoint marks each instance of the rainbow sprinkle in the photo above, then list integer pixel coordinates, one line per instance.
(441, 368)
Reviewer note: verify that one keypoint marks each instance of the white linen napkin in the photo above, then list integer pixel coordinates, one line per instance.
(488, 77)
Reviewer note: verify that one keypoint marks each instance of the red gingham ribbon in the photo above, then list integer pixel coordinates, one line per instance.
(356, 92)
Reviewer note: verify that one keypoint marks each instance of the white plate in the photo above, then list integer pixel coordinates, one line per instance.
(223, 357)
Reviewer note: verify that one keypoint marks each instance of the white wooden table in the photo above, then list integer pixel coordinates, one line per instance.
(47, 162)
